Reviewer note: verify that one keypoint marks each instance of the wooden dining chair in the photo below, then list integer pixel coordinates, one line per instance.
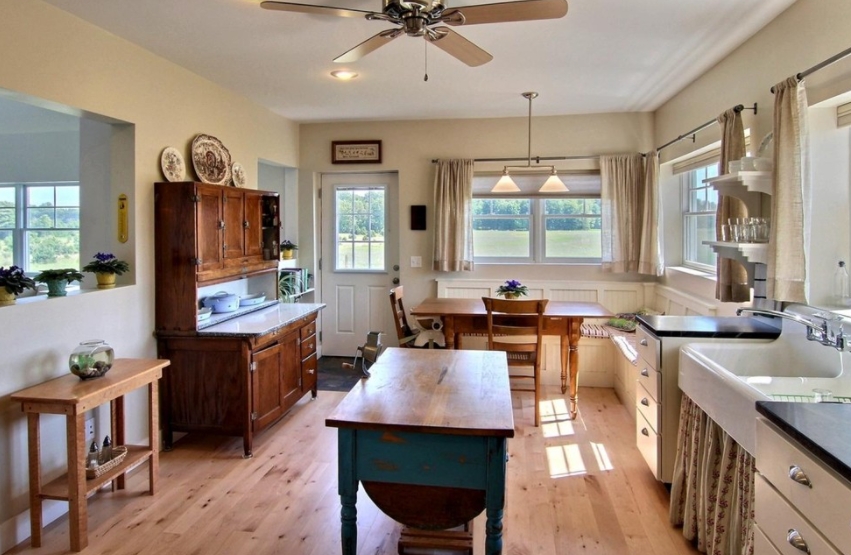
(522, 321)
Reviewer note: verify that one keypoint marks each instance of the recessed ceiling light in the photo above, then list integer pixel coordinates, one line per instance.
(344, 74)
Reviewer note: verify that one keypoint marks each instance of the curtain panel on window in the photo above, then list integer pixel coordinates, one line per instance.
(650, 252)
(790, 201)
(622, 211)
(731, 284)
(453, 201)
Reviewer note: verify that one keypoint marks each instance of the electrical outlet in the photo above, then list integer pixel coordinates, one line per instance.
(90, 430)
(416, 262)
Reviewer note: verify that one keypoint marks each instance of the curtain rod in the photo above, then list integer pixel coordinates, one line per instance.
(738, 108)
(821, 65)
(536, 159)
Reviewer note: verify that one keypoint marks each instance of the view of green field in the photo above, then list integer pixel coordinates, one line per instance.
(580, 243)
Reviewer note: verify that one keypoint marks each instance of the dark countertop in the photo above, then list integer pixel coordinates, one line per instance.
(732, 327)
(822, 428)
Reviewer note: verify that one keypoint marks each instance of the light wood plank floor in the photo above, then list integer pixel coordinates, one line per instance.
(573, 487)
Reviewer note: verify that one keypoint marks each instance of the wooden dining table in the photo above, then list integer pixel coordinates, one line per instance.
(426, 435)
(562, 318)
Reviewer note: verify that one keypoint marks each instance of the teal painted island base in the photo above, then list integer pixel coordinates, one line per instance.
(427, 437)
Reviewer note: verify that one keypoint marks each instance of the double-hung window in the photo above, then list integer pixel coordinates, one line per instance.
(700, 202)
(40, 225)
(532, 227)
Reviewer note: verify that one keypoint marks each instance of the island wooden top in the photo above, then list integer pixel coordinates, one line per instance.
(446, 306)
(431, 391)
(70, 395)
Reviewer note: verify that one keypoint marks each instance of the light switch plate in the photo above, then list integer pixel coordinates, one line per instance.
(416, 262)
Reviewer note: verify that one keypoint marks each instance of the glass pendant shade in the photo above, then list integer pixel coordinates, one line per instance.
(505, 185)
(553, 184)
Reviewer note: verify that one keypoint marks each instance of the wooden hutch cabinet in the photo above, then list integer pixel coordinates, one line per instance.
(241, 379)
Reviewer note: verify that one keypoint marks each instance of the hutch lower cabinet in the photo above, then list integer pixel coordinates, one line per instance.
(237, 383)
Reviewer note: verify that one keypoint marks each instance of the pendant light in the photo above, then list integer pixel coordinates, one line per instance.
(553, 184)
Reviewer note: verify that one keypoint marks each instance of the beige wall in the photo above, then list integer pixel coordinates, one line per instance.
(58, 58)
(809, 32)
(410, 146)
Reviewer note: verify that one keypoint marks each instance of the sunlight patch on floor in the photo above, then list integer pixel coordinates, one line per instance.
(602, 456)
(555, 418)
(565, 460)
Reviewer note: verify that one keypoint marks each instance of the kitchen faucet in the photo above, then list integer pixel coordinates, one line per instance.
(816, 331)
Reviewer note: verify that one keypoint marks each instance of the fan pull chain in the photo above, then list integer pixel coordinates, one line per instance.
(425, 77)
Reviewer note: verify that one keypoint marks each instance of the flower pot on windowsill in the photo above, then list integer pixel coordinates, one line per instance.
(105, 280)
(56, 287)
(287, 254)
(7, 298)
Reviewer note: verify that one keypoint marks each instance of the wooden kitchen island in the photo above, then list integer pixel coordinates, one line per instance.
(427, 437)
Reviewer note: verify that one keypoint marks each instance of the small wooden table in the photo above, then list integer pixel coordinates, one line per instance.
(427, 437)
(562, 318)
(73, 397)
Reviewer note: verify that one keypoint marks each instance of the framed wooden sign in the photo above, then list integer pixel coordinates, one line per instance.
(356, 152)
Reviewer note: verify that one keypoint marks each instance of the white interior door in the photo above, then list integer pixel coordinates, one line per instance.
(360, 257)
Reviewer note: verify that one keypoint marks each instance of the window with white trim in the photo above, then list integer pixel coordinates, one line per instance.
(40, 225)
(532, 227)
(700, 202)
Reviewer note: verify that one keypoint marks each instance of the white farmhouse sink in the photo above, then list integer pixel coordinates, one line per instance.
(726, 379)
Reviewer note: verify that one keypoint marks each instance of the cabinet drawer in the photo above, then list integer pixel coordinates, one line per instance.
(761, 545)
(308, 329)
(648, 443)
(649, 378)
(647, 406)
(308, 373)
(827, 503)
(308, 345)
(648, 346)
(779, 520)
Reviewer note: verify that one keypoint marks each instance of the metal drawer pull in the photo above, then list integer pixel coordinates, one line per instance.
(795, 540)
(311, 371)
(798, 475)
(645, 432)
(645, 402)
(645, 373)
(643, 342)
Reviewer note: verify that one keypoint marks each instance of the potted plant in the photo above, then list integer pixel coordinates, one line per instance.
(56, 280)
(105, 267)
(13, 281)
(287, 248)
(512, 289)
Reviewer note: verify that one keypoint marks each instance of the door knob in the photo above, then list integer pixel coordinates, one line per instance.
(395, 281)
(395, 267)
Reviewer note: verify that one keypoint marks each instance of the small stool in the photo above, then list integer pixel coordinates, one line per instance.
(459, 541)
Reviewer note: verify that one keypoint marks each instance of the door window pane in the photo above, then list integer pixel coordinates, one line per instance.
(360, 228)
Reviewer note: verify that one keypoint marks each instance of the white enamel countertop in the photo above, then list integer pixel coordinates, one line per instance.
(260, 322)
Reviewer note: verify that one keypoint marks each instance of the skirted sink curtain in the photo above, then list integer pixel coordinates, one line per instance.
(630, 214)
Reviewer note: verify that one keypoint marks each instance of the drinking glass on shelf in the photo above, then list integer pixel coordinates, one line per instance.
(725, 233)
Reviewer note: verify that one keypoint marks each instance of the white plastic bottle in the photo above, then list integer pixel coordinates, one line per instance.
(841, 292)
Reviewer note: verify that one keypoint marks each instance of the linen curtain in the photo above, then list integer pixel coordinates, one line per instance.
(712, 493)
(622, 210)
(650, 251)
(731, 283)
(790, 201)
(453, 201)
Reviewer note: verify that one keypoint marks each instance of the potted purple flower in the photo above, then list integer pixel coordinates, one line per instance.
(105, 267)
(13, 281)
(512, 289)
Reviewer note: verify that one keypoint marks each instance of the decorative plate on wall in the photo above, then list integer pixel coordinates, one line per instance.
(238, 175)
(174, 168)
(211, 160)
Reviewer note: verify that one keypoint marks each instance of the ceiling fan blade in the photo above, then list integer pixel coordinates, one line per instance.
(455, 45)
(522, 10)
(369, 45)
(311, 9)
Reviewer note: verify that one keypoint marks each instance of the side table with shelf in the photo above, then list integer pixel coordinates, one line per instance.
(73, 397)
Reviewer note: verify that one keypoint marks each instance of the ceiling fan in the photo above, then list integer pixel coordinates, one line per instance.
(422, 18)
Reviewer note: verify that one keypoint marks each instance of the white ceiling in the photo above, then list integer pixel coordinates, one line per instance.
(603, 56)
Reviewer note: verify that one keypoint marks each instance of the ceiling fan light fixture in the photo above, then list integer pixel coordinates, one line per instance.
(505, 184)
(344, 74)
(553, 184)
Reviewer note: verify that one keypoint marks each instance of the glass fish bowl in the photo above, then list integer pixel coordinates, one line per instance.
(91, 359)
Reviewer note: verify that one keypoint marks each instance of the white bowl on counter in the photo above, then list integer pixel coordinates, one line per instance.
(252, 300)
(222, 302)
